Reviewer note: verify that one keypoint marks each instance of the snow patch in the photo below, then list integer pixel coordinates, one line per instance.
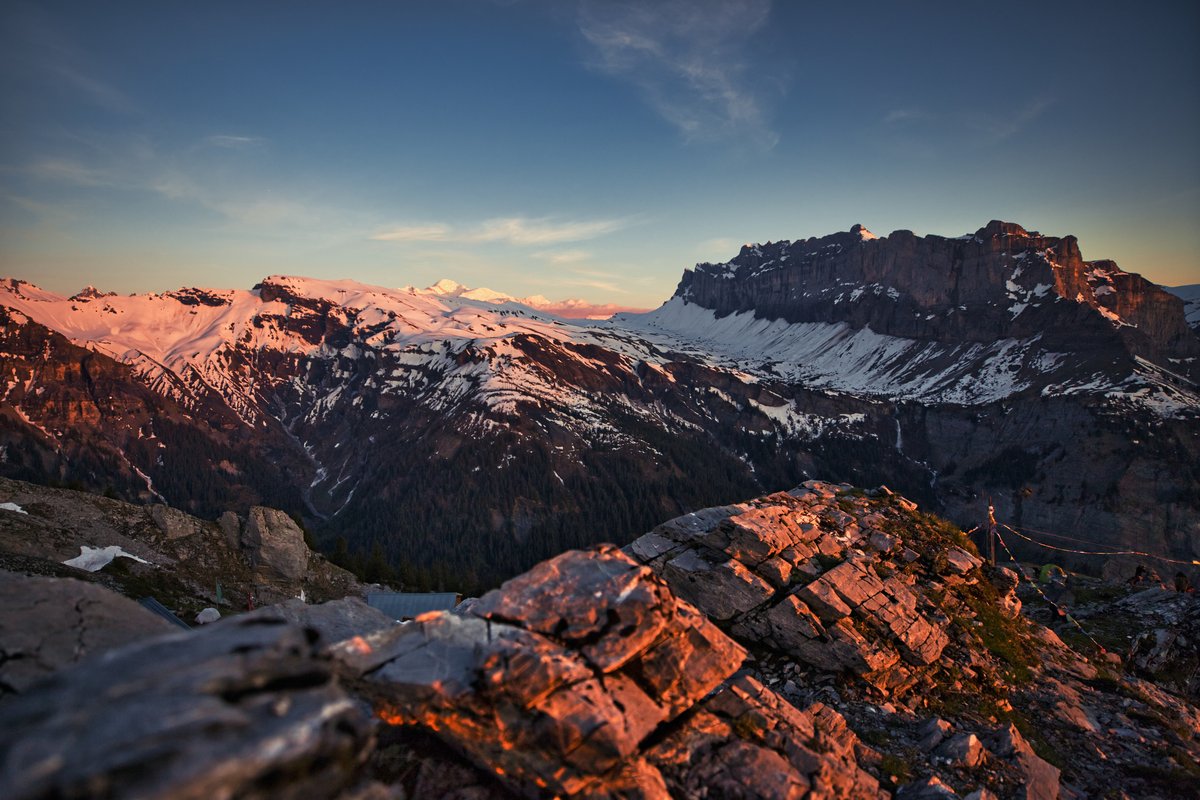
(92, 559)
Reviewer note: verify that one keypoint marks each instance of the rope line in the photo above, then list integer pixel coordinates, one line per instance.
(1027, 529)
(1098, 552)
(1062, 612)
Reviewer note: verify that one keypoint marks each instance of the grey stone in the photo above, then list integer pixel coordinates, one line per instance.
(174, 523)
(239, 709)
(275, 543)
(47, 624)
(334, 621)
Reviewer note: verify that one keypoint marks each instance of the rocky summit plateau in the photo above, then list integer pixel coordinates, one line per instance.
(466, 435)
(823, 642)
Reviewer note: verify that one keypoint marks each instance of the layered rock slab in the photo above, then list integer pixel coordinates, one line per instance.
(808, 573)
(243, 708)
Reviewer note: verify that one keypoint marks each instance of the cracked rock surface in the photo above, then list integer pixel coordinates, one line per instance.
(587, 677)
(809, 577)
(47, 624)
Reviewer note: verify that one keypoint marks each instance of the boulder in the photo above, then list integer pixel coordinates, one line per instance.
(933, 732)
(962, 750)
(173, 523)
(243, 708)
(960, 562)
(275, 544)
(47, 624)
(1040, 777)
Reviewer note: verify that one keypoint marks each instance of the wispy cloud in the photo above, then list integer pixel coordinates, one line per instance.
(898, 115)
(980, 128)
(67, 171)
(605, 286)
(521, 231)
(996, 128)
(543, 231)
(563, 256)
(689, 60)
(428, 232)
(234, 142)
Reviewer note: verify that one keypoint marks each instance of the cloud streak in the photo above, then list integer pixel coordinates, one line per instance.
(234, 142)
(688, 60)
(520, 231)
(563, 256)
(981, 128)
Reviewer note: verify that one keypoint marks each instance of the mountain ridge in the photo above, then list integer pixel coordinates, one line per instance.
(373, 399)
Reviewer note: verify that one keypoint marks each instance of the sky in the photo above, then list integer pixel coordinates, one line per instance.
(579, 148)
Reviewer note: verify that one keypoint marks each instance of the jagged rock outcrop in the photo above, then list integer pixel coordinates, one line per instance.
(1167, 646)
(811, 575)
(585, 676)
(48, 624)
(857, 600)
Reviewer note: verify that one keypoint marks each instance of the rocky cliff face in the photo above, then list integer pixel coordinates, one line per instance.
(1002, 282)
(839, 644)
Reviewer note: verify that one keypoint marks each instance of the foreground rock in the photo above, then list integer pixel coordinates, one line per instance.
(856, 600)
(575, 678)
(242, 709)
(590, 677)
(47, 624)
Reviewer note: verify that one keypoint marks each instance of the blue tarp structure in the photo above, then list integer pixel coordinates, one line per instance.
(150, 604)
(407, 605)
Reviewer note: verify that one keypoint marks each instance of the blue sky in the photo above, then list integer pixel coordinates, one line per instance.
(590, 149)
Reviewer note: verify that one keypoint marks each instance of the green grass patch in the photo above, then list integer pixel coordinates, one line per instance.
(894, 766)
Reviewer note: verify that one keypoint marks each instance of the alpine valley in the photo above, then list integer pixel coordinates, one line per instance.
(468, 435)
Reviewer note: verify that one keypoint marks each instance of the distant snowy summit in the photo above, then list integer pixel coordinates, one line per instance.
(571, 308)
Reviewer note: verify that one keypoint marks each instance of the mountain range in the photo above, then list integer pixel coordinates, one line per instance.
(470, 434)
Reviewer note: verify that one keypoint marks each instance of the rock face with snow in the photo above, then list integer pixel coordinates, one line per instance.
(1190, 295)
(999, 363)
(1001, 283)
